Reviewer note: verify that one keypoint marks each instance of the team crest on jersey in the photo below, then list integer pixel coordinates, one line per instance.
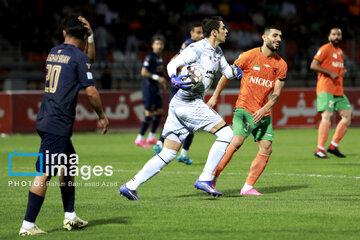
(256, 68)
(335, 55)
(275, 71)
(88, 65)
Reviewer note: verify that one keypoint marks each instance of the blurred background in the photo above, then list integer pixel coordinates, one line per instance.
(29, 29)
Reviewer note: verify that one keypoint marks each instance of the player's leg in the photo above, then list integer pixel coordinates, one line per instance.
(148, 108)
(155, 123)
(242, 127)
(223, 134)
(325, 105)
(67, 188)
(183, 157)
(263, 135)
(172, 145)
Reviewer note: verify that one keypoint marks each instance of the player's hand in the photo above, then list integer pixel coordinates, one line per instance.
(212, 102)
(162, 81)
(86, 25)
(177, 81)
(334, 76)
(236, 71)
(104, 123)
(258, 115)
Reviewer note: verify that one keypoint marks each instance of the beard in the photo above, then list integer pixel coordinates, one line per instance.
(335, 42)
(271, 47)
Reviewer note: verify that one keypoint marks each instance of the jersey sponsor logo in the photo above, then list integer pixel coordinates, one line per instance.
(337, 64)
(261, 81)
(89, 75)
(256, 68)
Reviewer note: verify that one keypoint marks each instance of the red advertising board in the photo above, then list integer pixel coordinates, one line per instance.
(124, 109)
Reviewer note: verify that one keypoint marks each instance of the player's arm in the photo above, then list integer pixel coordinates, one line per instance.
(145, 73)
(315, 66)
(90, 44)
(220, 86)
(95, 102)
(274, 97)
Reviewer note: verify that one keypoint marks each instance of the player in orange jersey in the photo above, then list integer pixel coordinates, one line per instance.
(264, 72)
(329, 64)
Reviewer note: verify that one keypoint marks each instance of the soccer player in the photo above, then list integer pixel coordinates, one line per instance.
(329, 64)
(188, 112)
(196, 34)
(152, 72)
(68, 70)
(264, 73)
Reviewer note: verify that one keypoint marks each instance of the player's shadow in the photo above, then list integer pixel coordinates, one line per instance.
(97, 222)
(276, 189)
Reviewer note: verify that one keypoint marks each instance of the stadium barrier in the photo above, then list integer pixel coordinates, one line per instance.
(124, 109)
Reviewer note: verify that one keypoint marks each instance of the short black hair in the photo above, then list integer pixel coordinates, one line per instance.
(195, 25)
(157, 37)
(74, 27)
(268, 28)
(334, 28)
(211, 23)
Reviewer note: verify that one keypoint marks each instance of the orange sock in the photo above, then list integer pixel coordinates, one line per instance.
(257, 167)
(230, 150)
(323, 133)
(340, 131)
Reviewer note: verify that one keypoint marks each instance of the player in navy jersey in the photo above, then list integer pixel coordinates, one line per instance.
(152, 73)
(68, 70)
(196, 34)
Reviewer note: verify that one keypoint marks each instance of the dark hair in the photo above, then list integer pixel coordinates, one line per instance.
(210, 23)
(195, 25)
(334, 28)
(157, 37)
(268, 28)
(74, 27)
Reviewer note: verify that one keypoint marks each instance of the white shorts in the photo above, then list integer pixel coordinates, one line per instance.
(185, 117)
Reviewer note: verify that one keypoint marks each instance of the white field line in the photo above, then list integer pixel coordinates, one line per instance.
(239, 174)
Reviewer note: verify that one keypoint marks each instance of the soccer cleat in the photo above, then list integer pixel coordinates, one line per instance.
(186, 159)
(157, 149)
(151, 141)
(336, 152)
(251, 191)
(77, 223)
(320, 154)
(208, 187)
(129, 194)
(142, 143)
(33, 231)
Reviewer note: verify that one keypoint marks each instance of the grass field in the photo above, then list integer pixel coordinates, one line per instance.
(304, 197)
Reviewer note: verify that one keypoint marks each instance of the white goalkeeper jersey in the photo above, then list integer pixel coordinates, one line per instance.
(208, 60)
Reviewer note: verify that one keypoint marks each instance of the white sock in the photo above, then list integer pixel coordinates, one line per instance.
(140, 137)
(151, 135)
(247, 187)
(151, 168)
(334, 143)
(27, 225)
(216, 153)
(160, 143)
(70, 215)
(322, 148)
(184, 153)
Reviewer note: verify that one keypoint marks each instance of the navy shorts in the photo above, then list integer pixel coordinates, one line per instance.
(51, 146)
(151, 97)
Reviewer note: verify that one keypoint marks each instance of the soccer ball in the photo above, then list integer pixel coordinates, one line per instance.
(194, 73)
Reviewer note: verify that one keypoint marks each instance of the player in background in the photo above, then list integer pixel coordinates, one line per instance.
(196, 34)
(188, 112)
(68, 70)
(152, 73)
(329, 64)
(264, 73)
(89, 44)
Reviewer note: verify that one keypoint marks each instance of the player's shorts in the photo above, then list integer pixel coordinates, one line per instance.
(152, 99)
(243, 124)
(185, 117)
(327, 101)
(51, 146)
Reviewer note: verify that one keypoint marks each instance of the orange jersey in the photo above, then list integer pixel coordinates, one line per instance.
(330, 58)
(259, 76)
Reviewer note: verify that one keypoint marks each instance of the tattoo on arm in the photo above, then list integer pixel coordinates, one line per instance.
(274, 98)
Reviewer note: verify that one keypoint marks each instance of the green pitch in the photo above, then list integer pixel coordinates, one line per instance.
(304, 197)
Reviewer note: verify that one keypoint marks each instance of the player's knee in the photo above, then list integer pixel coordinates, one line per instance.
(167, 155)
(326, 116)
(147, 119)
(266, 150)
(157, 117)
(224, 134)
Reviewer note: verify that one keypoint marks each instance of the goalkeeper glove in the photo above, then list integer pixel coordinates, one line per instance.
(179, 83)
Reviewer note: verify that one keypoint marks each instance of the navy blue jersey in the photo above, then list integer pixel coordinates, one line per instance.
(67, 69)
(186, 43)
(154, 64)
